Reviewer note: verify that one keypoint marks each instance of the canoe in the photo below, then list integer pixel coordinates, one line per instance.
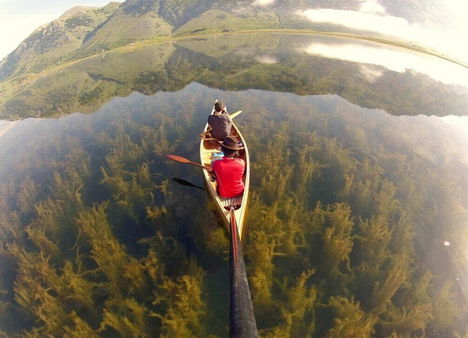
(207, 150)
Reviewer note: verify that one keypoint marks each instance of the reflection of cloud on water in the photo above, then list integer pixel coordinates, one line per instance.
(458, 129)
(370, 73)
(395, 59)
(372, 18)
(459, 125)
(263, 3)
(458, 122)
(6, 126)
(455, 136)
(266, 59)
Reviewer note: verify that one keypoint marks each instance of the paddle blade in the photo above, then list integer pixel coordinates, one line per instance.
(181, 159)
(178, 158)
(233, 115)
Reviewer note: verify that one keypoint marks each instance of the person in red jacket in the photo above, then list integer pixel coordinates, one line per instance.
(229, 171)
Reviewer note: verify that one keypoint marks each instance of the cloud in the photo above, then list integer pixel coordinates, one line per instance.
(395, 59)
(459, 124)
(263, 3)
(389, 25)
(372, 6)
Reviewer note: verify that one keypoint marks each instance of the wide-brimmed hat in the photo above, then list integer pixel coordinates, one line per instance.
(231, 143)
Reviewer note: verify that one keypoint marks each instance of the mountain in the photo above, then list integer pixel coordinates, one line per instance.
(175, 12)
(132, 21)
(54, 42)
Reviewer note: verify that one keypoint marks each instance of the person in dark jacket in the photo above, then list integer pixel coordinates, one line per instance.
(220, 122)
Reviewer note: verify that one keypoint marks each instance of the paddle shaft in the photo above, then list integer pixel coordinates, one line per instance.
(198, 165)
(181, 159)
(233, 115)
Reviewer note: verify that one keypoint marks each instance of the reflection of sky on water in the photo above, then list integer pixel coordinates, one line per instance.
(266, 59)
(394, 59)
(459, 128)
(5, 126)
(459, 123)
(263, 3)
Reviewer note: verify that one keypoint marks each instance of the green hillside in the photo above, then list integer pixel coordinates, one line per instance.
(121, 29)
(217, 20)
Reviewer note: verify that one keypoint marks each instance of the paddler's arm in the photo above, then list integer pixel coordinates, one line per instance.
(202, 135)
(212, 174)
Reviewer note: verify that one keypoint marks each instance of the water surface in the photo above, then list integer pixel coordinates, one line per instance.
(357, 222)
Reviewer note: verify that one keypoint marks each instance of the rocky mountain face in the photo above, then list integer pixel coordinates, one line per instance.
(175, 12)
(144, 19)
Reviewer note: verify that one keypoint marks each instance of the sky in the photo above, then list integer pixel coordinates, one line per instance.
(19, 18)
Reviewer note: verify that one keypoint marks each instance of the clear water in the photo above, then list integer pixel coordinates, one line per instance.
(357, 224)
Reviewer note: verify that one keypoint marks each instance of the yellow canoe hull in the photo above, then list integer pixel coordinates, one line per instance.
(207, 148)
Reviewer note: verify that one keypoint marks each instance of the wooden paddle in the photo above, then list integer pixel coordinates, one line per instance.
(185, 160)
(233, 115)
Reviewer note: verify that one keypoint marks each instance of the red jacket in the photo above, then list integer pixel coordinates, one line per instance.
(229, 173)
